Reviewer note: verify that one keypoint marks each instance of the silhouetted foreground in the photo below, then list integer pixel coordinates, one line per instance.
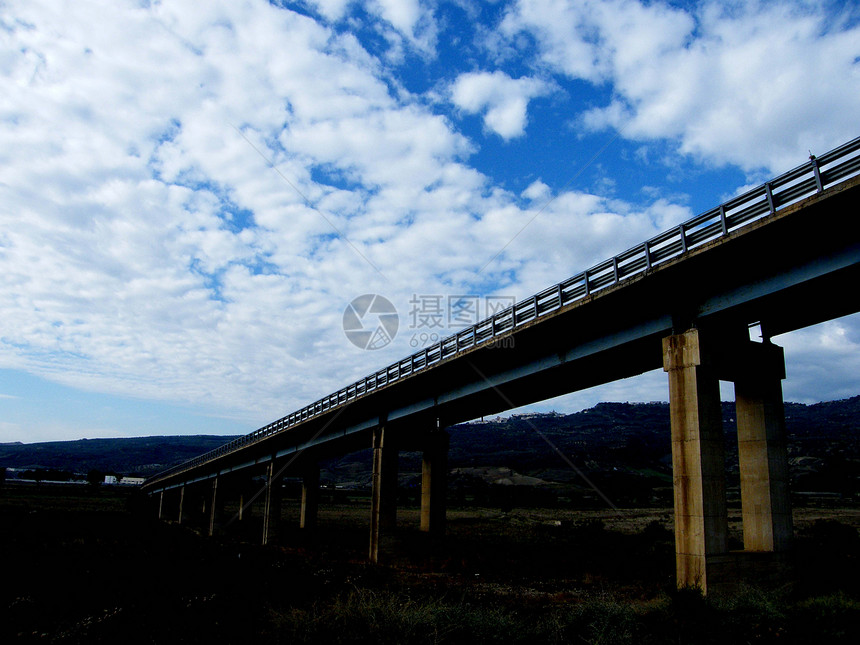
(81, 566)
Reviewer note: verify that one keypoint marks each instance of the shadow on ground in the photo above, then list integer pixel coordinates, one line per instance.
(83, 567)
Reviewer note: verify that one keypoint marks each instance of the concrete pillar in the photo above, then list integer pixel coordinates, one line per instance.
(161, 505)
(248, 494)
(215, 504)
(181, 502)
(241, 513)
(434, 476)
(383, 501)
(762, 450)
(310, 497)
(272, 510)
(701, 524)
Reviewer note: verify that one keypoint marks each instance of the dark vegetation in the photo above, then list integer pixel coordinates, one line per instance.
(141, 456)
(87, 565)
(532, 554)
(623, 448)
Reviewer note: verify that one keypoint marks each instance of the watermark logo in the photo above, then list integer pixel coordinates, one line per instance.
(370, 321)
(434, 316)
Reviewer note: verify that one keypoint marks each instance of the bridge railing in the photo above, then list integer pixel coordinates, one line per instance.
(808, 179)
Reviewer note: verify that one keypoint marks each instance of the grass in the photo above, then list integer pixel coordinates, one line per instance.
(81, 566)
(364, 615)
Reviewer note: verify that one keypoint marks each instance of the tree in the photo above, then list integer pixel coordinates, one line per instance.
(95, 477)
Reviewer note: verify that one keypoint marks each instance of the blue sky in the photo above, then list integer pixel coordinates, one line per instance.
(191, 194)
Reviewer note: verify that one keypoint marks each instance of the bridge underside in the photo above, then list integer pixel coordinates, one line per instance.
(689, 316)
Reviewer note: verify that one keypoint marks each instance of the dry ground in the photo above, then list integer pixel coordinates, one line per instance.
(85, 565)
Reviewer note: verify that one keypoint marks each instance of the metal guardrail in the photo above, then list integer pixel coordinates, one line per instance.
(819, 173)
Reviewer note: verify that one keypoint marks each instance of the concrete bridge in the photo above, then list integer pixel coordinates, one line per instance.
(783, 256)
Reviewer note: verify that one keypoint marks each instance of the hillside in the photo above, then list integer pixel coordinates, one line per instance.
(140, 455)
(622, 447)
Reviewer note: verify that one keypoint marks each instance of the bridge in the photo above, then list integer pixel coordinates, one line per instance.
(782, 256)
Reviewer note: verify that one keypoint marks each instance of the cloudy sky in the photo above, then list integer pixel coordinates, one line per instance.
(192, 193)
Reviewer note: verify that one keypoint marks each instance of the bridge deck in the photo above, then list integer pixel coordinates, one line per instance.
(785, 254)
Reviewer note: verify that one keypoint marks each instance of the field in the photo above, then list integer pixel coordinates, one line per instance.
(92, 565)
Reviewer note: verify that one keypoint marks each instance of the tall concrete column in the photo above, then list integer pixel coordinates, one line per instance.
(310, 497)
(241, 513)
(181, 502)
(247, 495)
(701, 524)
(161, 505)
(272, 509)
(762, 450)
(434, 483)
(249, 492)
(215, 505)
(383, 502)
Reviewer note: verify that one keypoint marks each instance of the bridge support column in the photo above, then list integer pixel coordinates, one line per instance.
(272, 509)
(216, 504)
(242, 492)
(181, 502)
(161, 505)
(310, 497)
(434, 475)
(701, 524)
(762, 450)
(383, 502)
(246, 499)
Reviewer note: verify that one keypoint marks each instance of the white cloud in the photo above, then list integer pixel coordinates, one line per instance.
(753, 84)
(412, 21)
(536, 191)
(149, 248)
(332, 9)
(501, 99)
(403, 14)
(819, 358)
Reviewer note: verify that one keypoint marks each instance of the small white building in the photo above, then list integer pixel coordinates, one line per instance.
(124, 481)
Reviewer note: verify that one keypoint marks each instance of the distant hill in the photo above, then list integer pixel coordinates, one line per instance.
(142, 456)
(622, 447)
(625, 449)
